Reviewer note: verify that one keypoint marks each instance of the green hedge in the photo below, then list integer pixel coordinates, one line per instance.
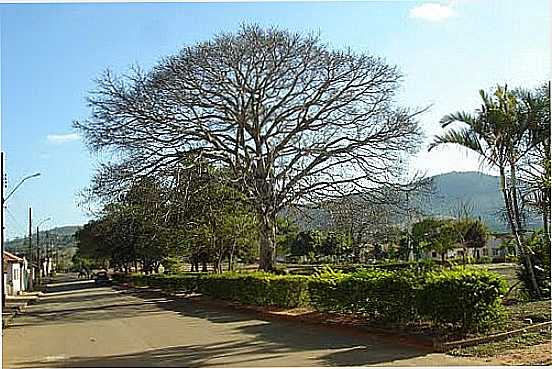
(469, 300)
(385, 295)
(262, 289)
(257, 288)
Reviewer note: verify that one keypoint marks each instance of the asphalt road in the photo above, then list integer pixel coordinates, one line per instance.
(78, 325)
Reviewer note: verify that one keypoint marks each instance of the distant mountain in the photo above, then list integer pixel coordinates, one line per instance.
(62, 237)
(68, 230)
(477, 191)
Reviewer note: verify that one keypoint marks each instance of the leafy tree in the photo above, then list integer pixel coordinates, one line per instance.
(291, 119)
(438, 235)
(498, 133)
(472, 233)
(335, 244)
(286, 234)
(539, 243)
(307, 242)
(534, 167)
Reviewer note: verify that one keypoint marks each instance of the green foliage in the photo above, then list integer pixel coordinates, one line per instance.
(466, 298)
(312, 243)
(539, 246)
(257, 288)
(286, 234)
(472, 232)
(383, 295)
(438, 235)
(307, 242)
(335, 243)
(261, 289)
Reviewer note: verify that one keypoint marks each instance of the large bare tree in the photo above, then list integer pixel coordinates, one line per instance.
(292, 119)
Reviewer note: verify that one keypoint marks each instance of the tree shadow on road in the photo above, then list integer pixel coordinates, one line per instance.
(263, 342)
(236, 353)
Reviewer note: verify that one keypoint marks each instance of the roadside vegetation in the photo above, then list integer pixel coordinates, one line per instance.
(219, 151)
(462, 300)
(500, 347)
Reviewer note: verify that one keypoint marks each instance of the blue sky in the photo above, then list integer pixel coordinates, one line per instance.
(50, 54)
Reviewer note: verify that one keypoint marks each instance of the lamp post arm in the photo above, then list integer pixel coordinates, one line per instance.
(19, 184)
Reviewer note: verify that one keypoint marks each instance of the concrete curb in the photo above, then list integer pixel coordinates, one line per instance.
(7, 318)
(445, 346)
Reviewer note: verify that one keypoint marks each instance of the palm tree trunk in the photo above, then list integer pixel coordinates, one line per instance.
(515, 223)
(514, 198)
(545, 224)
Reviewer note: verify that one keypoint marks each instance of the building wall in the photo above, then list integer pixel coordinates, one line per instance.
(14, 279)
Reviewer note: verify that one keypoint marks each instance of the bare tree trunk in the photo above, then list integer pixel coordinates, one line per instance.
(267, 235)
(204, 264)
(231, 258)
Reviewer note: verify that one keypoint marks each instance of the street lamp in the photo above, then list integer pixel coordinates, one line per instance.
(20, 183)
(2, 203)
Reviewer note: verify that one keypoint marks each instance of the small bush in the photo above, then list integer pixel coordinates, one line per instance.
(539, 255)
(384, 295)
(261, 289)
(466, 298)
(485, 260)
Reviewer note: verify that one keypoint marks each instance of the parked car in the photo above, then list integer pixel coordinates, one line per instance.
(102, 279)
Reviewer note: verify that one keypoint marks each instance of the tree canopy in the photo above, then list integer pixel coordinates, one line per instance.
(291, 119)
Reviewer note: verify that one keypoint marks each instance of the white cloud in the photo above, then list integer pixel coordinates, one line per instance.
(432, 12)
(63, 138)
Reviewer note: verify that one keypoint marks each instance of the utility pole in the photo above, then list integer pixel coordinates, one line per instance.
(47, 257)
(31, 277)
(38, 262)
(3, 200)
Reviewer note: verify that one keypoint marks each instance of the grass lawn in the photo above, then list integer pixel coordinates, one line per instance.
(531, 346)
(495, 348)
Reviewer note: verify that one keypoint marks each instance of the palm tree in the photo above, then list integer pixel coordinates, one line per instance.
(535, 166)
(496, 132)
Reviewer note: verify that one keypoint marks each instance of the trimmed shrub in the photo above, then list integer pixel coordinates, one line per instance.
(261, 289)
(383, 295)
(465, 298)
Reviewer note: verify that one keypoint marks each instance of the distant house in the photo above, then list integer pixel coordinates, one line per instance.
(14, 273)
(493, 248)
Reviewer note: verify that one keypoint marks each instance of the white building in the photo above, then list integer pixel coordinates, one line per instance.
(14, 274)
(493, 248)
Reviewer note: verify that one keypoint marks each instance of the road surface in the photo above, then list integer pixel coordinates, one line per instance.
(78, 325)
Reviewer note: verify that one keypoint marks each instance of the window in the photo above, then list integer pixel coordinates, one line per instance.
(434, 254)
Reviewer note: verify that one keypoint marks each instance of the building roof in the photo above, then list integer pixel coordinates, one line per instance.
(11, 258)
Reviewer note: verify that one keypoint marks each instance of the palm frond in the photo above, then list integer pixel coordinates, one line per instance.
(460, 117)
(464, 137)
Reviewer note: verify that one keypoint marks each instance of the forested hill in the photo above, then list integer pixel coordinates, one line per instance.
(478, 192)
(59, 236)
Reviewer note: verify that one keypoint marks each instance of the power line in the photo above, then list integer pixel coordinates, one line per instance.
(14, 219)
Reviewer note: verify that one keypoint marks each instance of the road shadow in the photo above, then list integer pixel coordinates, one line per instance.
(235, 353)
(72, 285)
(263, 341)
